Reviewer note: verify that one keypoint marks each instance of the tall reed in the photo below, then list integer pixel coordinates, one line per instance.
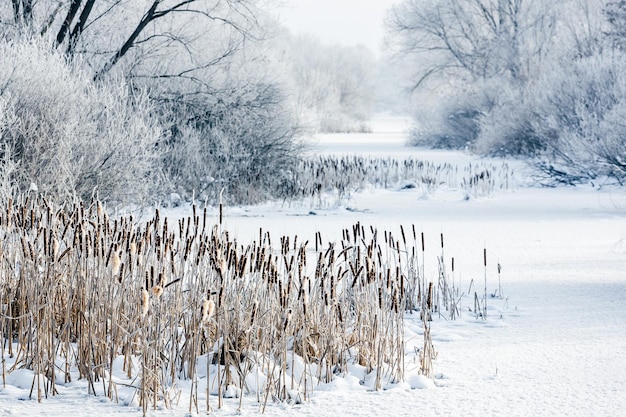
(94, 296)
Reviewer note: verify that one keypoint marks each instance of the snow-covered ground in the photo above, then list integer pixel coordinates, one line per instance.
(555, 345)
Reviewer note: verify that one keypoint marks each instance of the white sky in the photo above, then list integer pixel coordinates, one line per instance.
(346, 22)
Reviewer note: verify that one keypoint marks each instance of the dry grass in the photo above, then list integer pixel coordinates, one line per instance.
(318, 177)
(82, 291)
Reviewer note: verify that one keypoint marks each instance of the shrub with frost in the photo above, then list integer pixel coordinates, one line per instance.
(450, 118)
(580, 117)
(65, 136)
(507, 128)
(571, 122)
(239, 149)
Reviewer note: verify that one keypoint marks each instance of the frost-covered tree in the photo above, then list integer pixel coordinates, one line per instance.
(478, 39)
(203, 64)
(237, 141)
(105, 32)
(522, 78)
(463, 53)
(578, 114)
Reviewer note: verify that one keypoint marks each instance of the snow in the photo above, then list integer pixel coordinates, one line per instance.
(555, 344)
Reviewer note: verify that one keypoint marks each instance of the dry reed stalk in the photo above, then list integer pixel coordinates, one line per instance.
(199, 293)
(485, 294)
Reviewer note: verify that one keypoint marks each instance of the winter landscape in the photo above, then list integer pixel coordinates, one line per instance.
(554, 344)
(223, 217)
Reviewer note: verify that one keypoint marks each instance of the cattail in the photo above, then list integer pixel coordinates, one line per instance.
(220, 263)
(157, 291)
(121, 275)
(220, 297)
(152, 282)
(100, 211)
(242, 266)
(133, 248)
(116, 262)
(55, 248)
(287, 319)
(253, 314)
(305, 301)
(429, 299)
(145, 302)
(370, 270)
(208, 308)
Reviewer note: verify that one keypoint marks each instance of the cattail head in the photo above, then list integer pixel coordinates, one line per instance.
(145, 302)
(207, 310)
(287, 319)
(100, 211)
(55, 248)
(116, 262)
(223, 265)
(370, 269)
(133, 248)
(157, 291)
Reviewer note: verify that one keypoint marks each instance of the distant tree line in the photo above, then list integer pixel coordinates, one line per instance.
(527, 78)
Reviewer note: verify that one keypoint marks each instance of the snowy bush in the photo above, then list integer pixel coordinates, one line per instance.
(66, 137)
(238, 150)
(581, 119)
(507, 129)
(452, 119)
(215, 90)
(572, 121)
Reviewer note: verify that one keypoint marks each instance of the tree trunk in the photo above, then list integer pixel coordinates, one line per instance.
(80, 25)
(67, 23)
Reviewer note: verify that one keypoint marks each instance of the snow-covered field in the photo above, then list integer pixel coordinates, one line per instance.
(554, 345)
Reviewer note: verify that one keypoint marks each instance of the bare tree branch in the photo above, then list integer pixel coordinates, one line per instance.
(484, 37)
(153, 14)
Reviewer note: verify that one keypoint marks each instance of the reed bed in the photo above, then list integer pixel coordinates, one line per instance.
(343, 175)
(86, 296)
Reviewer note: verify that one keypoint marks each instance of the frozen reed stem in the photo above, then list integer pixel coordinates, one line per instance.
(167, 298)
